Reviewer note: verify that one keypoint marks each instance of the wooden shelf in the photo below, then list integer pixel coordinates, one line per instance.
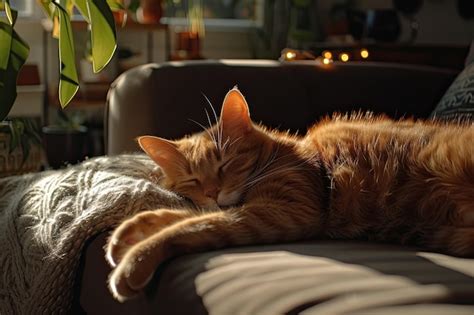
(130, 25)
(78, 102)
(89, 94)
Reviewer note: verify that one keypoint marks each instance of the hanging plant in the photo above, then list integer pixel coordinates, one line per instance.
(14, 50)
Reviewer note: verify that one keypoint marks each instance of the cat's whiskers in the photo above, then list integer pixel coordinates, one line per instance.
(228, 144)
(281, 169)
(211, 135)
(224, 146)
(261, 174)
(277, 170)
(247, 186)
(270, 161)
(260, 170)
(217, 138)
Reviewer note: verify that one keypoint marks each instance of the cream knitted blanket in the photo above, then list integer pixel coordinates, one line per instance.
(45, 218)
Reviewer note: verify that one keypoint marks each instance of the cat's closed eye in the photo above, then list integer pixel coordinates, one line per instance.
(192, 181)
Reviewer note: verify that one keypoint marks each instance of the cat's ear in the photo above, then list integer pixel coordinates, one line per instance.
(235, 116)
(164, 152)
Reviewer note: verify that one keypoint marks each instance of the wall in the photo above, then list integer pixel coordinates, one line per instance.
(439, 24)
(217, 44)
(439, 20)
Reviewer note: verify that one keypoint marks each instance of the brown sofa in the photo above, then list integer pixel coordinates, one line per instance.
(317, 277)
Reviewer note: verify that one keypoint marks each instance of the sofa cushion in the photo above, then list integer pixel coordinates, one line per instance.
(317, 277)
(458, 101)
(160, 99)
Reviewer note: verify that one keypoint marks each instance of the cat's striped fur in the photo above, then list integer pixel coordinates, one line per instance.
(350, 177)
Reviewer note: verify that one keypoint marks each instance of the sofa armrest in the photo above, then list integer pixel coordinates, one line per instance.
(161, 99)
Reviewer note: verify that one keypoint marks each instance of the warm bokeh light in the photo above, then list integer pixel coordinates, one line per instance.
(290, 55)
(327, 54)
(344, 57)
(326, 61)
(364, 53)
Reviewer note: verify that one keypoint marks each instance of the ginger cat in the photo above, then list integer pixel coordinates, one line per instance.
(356, 177)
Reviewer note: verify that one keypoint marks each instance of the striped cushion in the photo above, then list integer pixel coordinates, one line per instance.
(458, 101)
(313, 277)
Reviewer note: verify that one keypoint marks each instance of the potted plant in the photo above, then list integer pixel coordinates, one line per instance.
(20, 146)
(65, 141)
(14, 50)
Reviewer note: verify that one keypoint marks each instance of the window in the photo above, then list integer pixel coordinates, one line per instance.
(218, 12)
(24, 7)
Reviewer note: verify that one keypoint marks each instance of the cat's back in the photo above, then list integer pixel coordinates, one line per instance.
(381, 170)
(358, 135)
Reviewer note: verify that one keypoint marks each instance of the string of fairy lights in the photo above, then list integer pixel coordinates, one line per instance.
(326, 56)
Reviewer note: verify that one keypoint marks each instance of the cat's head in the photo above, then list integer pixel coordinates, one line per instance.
(211, 168)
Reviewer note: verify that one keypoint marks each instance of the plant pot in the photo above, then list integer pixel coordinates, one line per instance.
(188, 46)
(64, 145)
(150, 12)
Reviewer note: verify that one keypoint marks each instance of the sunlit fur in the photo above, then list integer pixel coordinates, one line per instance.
(401, 181)
(231, 170)
(351, 177)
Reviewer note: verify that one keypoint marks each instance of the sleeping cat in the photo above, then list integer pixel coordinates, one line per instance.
(350, 177)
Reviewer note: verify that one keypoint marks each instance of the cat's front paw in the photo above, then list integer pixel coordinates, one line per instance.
(136, 269)
(129, 233)
(138, 228)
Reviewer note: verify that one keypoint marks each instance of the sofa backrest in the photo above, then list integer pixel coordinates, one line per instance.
(163, 99)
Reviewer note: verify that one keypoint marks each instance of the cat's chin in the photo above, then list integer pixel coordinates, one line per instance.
(224, 201)
(216, 206)
(211, 207)
(230, 199)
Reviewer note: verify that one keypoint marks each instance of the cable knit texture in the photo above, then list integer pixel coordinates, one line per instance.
(45, 219)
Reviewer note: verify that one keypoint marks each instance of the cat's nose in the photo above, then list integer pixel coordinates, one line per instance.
(212, 192)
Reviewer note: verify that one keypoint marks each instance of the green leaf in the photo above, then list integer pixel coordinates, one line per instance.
(103, 37)
(19, 51)
(115, 5)
(25, 147)
(8, 12)
(81, 5)
(5, 45)
(17, 129)
(14, 51)
(14, 141)
(13, 54)
(133, 5)
(68, 84)
(47, 7)
(32, 130)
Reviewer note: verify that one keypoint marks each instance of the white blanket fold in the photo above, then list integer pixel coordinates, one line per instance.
(45, 219)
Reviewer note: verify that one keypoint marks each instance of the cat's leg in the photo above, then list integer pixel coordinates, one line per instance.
(140, 262)
(260, 225)
(138, 228)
